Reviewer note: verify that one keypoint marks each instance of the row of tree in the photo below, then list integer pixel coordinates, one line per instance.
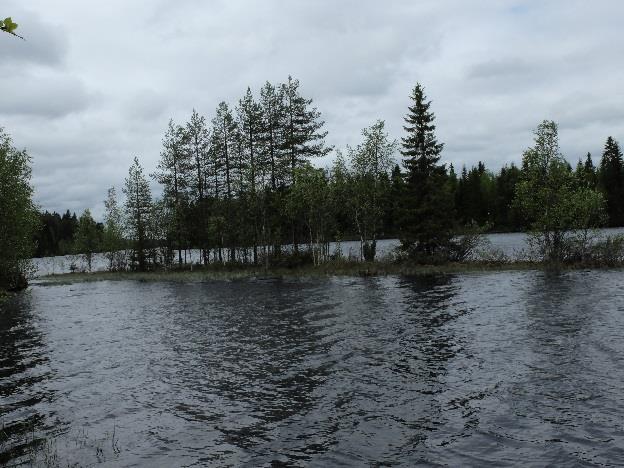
(480, 196)
(243, 188)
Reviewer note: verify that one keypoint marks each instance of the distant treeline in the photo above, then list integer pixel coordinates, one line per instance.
(242, 186)
(481, 196)
(57, 234)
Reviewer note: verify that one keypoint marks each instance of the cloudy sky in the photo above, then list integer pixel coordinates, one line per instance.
(96, 82)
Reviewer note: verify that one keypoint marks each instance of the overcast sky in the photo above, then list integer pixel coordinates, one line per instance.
(96, 82)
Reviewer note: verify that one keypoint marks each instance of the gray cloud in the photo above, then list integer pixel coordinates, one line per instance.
(95, 83)
(45, 95)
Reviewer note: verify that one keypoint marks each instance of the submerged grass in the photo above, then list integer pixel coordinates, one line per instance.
(233, 272)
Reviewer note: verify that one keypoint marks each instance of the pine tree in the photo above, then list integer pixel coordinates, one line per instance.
(427, 204)
(611, 181)
(303, 138)
(138, 210)
(224, 144)
(590, 172)
(197, 141)
(273, 116)
(250, 123)
(174, 169)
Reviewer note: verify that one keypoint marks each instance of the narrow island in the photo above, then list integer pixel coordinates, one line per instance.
(243, 194)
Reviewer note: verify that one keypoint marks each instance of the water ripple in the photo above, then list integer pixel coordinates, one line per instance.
(478, 369)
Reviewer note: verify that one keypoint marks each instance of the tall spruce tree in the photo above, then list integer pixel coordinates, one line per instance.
(426, 221)
(611, 181)
(138, 210)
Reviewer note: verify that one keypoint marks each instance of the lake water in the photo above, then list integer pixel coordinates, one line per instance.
(493, 369)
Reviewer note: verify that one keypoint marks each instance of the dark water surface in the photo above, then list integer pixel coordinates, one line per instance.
(518, 368)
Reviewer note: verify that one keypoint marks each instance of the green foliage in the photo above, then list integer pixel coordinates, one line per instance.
(611, 181)
(303, 138)
(56, 234)
(174, 171)
(371, 163)
(88, 238)
(138, 211)
(244, 188)
(112, 238)
(7, 25)
(560, 212)
(17, 212)
(427, 206)
(307, 200)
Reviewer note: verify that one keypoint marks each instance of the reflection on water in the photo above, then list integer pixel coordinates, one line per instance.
(23, 370)
(478, 369)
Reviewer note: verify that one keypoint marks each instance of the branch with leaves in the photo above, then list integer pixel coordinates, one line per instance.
(7, 25)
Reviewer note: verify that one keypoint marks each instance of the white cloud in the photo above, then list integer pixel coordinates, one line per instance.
(96, 82)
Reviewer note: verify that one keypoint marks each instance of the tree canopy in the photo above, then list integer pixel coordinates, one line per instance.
(17, 212)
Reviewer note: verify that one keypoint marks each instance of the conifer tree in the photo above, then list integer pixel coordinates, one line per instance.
(272, 132)
(507, 216)
(302, 136)
(612, 181)
(250, 124)
(272, 138)
(224, 145)
(590, 172)
(138, 210)
(427, 205)
(173, 173)
(197, 141)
